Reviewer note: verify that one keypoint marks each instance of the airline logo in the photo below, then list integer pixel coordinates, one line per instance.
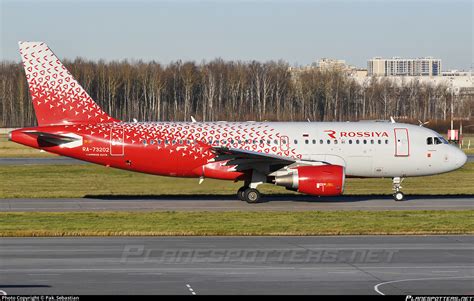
(355, 134)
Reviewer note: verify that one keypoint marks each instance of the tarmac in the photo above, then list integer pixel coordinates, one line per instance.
(408, 265)
(230, 203)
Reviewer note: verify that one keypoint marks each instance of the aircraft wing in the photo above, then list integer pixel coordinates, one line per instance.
(244, 157)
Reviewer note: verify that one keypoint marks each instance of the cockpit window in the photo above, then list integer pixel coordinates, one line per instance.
(443, 140)
(437, 140)
(429, 140)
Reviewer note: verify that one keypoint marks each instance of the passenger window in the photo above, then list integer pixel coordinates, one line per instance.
(329, 141)
(321, 141)
(174, 141)
(314, 141)
(365, 141)
(357, 141)
(386, 141)
(283, 141)
(167, 141)
(429, 140)
(372, 141)
(268, 142)
(159, 141)
(295, 141)
(380, 141)
(144, 142)
(275, 141)
(335, 141)
(306, 141)
(152, 142)
(350, 141)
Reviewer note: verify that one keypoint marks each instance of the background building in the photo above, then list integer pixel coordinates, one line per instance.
(396, 66)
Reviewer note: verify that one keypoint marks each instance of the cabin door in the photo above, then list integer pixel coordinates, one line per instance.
(402, 142)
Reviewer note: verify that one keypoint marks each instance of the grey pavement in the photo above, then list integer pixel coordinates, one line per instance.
(229, 202)
(415, 265)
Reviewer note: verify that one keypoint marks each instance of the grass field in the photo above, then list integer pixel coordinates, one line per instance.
(236, 223)
(55, 181)
(10, 149)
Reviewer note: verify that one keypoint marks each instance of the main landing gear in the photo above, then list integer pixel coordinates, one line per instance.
(398, 195)
(250, 195)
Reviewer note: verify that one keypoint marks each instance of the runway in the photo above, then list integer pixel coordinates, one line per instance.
(65, 160)
(432, 265)
(229, 203)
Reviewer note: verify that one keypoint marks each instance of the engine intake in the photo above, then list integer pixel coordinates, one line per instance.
(324, 180)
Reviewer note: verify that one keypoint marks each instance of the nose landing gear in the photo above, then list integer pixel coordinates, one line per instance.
(398, 195)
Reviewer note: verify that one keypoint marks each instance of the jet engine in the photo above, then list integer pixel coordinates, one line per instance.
(323, 180)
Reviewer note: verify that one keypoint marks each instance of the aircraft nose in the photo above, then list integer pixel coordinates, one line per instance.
(460, 157)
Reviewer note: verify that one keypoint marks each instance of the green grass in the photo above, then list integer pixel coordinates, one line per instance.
(55, 181)
(236, 223)
(10, 149)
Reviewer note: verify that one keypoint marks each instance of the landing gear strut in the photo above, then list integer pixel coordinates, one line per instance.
(398, 195)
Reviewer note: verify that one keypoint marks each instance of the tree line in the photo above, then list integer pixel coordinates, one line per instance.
(234, 91)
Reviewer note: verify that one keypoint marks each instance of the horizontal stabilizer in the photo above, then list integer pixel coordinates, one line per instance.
(50, 139)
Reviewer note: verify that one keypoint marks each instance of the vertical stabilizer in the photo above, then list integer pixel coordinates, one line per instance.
(57, 96)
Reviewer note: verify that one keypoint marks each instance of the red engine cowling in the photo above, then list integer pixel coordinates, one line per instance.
(324, 180)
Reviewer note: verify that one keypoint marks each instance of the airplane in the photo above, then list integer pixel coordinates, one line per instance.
(312, 158)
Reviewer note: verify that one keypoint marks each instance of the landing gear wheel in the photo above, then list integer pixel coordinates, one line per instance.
(398, 196)
(252, 196)
(240, 193)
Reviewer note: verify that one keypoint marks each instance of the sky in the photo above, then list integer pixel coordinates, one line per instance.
(299, 32)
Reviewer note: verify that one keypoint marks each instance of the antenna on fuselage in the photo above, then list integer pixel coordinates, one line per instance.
(135, 120)
(392, 120)
(423, 123)
(192, 119)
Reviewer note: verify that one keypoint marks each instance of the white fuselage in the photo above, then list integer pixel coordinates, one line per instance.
(373, 149)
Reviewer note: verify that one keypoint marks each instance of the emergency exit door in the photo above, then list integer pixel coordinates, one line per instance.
(402, 143)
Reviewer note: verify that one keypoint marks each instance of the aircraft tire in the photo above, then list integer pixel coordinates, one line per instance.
(252, 196)
(398, 196)
(241, 192)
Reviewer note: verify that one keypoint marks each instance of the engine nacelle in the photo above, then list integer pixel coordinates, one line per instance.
(323, 180)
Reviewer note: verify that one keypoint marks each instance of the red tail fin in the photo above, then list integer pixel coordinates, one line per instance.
(57, 96)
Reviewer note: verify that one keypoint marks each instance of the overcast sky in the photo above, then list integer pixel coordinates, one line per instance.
(298, 32)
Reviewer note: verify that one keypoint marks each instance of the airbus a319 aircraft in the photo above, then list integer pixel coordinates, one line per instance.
(309, 157)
